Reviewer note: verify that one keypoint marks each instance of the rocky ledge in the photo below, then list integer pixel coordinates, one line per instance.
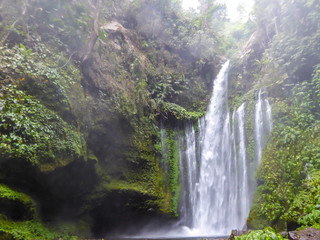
(306, 234)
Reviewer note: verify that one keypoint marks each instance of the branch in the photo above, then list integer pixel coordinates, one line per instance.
(24, 7)
(91, 5)
(68, 60)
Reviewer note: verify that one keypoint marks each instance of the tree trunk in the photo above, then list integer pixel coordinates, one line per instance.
(95, 31)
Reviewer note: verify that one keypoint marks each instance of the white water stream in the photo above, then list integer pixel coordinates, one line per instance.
(216, 192)
(263, 123)
(219, 198)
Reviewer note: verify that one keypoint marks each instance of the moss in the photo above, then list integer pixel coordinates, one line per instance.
(27, 225)
(16, 205)
(179, 112)
(171, 176)
(126, 186)
(29, 230)
(123, 85)
(92, 157)
(6, 192)
(256, 220)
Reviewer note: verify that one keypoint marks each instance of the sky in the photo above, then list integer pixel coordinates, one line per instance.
(232, 6)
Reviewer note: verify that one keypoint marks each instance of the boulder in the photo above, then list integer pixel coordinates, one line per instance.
(306, 234)
(236, 233)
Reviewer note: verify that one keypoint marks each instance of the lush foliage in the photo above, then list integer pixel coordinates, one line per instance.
(179, 112)
(305, 208)
(29, 230)
(32, 132)
(31, 227)
(266, 234)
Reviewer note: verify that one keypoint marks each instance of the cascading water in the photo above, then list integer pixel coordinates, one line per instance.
(188, 175)
(217, 195)
(213, 203)
(219, 190)
(263, 123)
(243, 188)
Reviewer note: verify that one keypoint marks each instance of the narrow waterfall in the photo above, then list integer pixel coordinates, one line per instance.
(164, 147)
(243, 178)
(263, 123)
(212, 203)
(188, 176)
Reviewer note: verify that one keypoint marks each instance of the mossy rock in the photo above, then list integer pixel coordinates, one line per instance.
(19, 220)
(32, 132)
(30, 230)
(255, 220)
(16, 205)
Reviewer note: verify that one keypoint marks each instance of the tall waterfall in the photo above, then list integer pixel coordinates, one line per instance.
(214, 169)
(214, 165)
(214, 204)
(223, 181)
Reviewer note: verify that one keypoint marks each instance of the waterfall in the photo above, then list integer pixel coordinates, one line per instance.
(212, 202)
(164, 148)
(244, 188)
(263, 123)
(214, 169)
(188, 175)
(216, 166)
(216, 193)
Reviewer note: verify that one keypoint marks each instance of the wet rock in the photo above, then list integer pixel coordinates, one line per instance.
(306, 234)
(236, 233)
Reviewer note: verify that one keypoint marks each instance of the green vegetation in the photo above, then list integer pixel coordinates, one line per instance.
(32, 132)
(35, 73)
(83, 111)
(171, 174)
(267, 233)
(8, 194)
(28, 226)
(291, 155)
(179, 112)
(305, 207)
(29, 230)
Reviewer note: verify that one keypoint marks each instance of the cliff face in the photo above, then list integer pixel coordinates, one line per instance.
(84, 86)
